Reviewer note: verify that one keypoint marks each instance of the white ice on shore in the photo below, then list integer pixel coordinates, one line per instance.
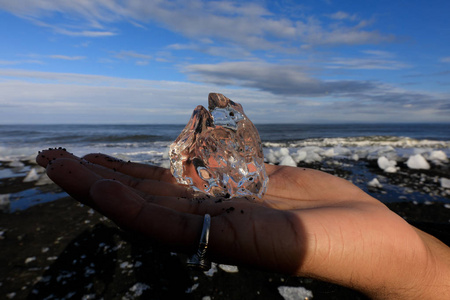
(31, 176)
(138, 289)
(30, 259)
(229, 268)
(438, 155)
(294, 293)
(375, 183)
(43, 180)
(288, 161)
(417, 162)
(16, 164)
(387, 157)
(445, 183)
(388, 166)
(4, 201)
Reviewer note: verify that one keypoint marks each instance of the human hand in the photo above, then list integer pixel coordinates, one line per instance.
(309, 223)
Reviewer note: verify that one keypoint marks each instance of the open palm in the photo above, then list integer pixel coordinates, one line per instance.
(309, 223)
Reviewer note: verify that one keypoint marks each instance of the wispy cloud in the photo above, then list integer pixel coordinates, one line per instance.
(372, 60)
(446, 59)
(341, 15)
(124, 54)
(274, 78)
(249, 25)
(62, 94)
(66, 57)
(85, 33)
(139, 59)
(77, 30)
(295, 85)
(20, 62)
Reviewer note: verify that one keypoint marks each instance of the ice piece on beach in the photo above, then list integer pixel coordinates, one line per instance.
(438, 155)
(299, 156)
(43, 180)
(31, 176)
(375, 183)
(229, 268)
(389, 166)
(16, 164)
(30, 259)
(219, 152)
(445, 183)
(417, 162)
(5, 200)
(292, 292)
(288, 161)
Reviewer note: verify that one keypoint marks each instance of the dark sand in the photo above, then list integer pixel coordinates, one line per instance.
(62, 250)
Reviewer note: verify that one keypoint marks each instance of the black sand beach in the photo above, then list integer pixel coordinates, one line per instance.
(63, 250)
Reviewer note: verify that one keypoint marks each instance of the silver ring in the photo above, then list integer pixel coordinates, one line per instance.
(199, 260)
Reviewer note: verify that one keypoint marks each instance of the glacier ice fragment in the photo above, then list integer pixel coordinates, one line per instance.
(219, 152)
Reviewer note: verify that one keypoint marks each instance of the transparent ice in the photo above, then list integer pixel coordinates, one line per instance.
(219, 152)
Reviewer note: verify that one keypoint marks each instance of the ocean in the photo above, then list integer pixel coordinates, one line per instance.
(148, 143)
(352, 149)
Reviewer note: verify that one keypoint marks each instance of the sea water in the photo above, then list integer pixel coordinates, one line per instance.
(149, 143)
(350, 147)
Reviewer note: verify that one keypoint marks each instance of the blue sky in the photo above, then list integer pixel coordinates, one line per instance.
(141, 61)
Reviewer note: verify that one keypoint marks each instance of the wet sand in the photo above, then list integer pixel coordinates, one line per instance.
(62, 250)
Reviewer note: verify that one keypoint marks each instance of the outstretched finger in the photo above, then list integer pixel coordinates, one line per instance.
(44, 157)
(143, 185)
(129, 210)
(76, 177)
(73, 176)
(133, 169)
(149, 186)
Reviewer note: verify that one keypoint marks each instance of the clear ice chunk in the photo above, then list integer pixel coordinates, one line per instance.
(219, 152)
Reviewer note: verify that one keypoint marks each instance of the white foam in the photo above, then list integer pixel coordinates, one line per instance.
(364, 141)
(392, 149)
(417, 162)
(329, 153)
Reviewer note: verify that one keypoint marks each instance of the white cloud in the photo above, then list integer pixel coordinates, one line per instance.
(86, 33)
(131, 54)
(294, 85)
(77, 30)
(445, 59)
(139, 59)
(66, 57)
(20, 62)
(274, 78)
(45, 97)
(341, 15)
(366, 63)
(248, 25)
